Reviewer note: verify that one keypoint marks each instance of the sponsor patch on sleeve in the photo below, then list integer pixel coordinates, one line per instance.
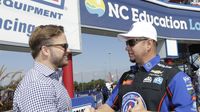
(128, 100)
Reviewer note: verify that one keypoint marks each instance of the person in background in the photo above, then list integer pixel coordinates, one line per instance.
(149, 85)
(105, 92)
(194, 60)
(40, 89)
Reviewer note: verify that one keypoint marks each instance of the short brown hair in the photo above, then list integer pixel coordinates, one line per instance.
(41, 36)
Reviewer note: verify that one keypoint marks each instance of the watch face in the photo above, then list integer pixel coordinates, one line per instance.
(128, 101)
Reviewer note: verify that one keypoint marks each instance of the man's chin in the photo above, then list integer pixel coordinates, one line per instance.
(133, 61)
(63, 65)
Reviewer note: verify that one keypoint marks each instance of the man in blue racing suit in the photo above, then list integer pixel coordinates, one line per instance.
(149, 85)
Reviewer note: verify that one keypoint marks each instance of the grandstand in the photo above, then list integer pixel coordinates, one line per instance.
(187, 2)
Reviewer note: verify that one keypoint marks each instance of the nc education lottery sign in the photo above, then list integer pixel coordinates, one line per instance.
(18, 18)
(118, 15)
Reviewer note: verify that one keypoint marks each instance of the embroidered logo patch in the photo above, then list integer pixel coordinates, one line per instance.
(148, 79)
(157, 71)
(128, 100)
(158, 80)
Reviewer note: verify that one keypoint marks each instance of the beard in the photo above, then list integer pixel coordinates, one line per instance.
(64, 62)
(58, 61)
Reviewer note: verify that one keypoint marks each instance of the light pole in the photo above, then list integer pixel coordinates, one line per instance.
(109, 67)
(109, 61)
(82, 81)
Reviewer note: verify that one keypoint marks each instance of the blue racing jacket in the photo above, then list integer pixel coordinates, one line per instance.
(161, 87)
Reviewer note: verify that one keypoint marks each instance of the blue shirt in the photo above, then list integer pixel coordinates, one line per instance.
(40, 90)
(180, 87)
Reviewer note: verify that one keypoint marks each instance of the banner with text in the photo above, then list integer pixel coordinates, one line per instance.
(118, 15)
(19, 18)
(81, 103)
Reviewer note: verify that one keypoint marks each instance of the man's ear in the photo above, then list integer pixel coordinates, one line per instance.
(149, 44)
(44, 50)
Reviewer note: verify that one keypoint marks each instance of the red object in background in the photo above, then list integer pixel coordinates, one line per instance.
(169, 61)
(68, 77)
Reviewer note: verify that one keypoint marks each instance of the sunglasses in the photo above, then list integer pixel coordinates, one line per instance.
(65, 45)
(133, 42)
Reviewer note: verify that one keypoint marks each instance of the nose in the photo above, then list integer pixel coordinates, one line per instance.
(66, 52)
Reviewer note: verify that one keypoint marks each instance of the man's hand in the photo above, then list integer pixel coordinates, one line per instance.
(102, 108)
(89, 109)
